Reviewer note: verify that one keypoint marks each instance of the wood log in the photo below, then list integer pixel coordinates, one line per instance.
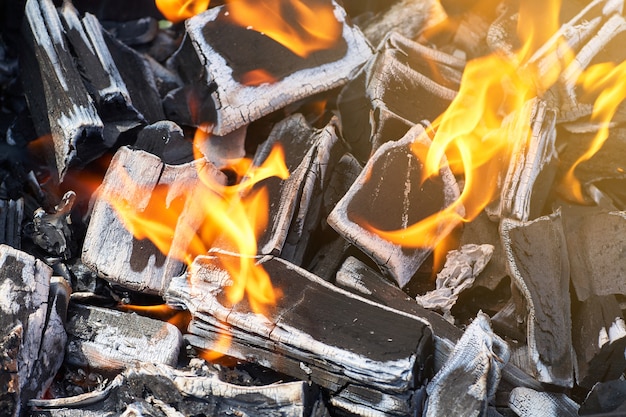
(599, 338)
(29, 321)
(469, 378)
(158, 389)
(375, 199)
(538, 265)
(315, 332)
(403, 84)
(142, 182)
(59, 103)
(228, 53)
(110, 340)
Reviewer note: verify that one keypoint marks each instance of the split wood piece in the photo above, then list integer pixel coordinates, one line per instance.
(296, 203)
(358, 278)
(403, 84)
(529, 178)
(315, 332)
(390, 194)
(142, 182)
(407, 18)
(166, 140)
(538, 265)
(526, 402)
(608, 398)
(229, 53)
(469, 378)
(32, 314)
(11, 217)
(458, 274)
(595, 242)
(59, 103)
(102, 78)
(157, 389)
(599, 338)
(110, 340)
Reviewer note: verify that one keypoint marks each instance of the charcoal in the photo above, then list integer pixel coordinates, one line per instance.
(166, 140)
(11, 216)
(133, 32)
(607, 398)
(526, 402)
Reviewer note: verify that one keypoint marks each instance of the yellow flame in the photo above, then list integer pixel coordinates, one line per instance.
(178, 10)
(303, 27)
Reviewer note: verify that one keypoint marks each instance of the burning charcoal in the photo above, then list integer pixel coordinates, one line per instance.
(11, 216)
(458, 274)
(110, 340)
(142, 183)
(255, 75)
(223, 150)
(533, 165)
(389, 194)
(526, 402)
(101, 75)
(408, 18)
(599, 338)
(133, 32)
(315, 332)
(190, 105)
(403, 84)
(295, 203)
(57, 98)
(469, 378)
(538, 264)
(608, 398)
(166, 140)
(595, 242)
(51, 231)
(159, 390)
(32, 312)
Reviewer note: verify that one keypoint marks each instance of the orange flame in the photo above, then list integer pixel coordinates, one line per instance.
(163, 312)
(475, 132)
(301, 26)
(178, 10)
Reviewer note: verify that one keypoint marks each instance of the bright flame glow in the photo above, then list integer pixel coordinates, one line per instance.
(178, 10)
(163, 312)
(303, 27)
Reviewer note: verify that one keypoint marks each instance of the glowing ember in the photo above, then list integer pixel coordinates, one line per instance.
(178, 10)
(301, 26)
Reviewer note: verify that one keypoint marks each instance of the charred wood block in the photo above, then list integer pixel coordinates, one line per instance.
(533, 164)
(390, 194)
(11, 216)
(296, 202)
(315, 332)
(599, 338)
(526, 402)
(403, 84)
(30, 324)
(59, 103)
(605, 397)
(595, 242)
(166, 140)
(144, 184)
(469, 378)
(538, 265)
(161, 390)
(110, 340)
(230, 53)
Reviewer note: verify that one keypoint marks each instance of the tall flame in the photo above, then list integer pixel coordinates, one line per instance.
(301, 26)
(178, 10)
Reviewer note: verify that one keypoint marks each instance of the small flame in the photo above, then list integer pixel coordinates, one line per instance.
(257, 77)
(178, 10)
(303, 27)
(474, 133)
(163, 312)
(608, 82)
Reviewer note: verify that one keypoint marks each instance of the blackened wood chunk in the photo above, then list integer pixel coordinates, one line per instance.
(158, 389)
(296, 202)
(11, 216)
(110, 340)
(30, 324)
(191, 104)
(595, 242)
(142, 183)
(403, 84)
(605, 397)
(538, 265)
(240, 99)
(166, 140)
(390, 194)
(469, 378)
(315, 331)
(599, 338)
(59, 103)
(133, 32)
